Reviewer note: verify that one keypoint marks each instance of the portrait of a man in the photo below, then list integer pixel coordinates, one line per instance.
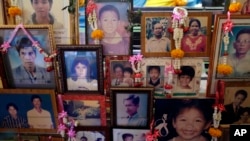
(236, 102)
(26, 63)
(132, 109)
(157, 37)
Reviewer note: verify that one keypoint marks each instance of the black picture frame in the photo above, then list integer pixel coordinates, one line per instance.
(90, 54)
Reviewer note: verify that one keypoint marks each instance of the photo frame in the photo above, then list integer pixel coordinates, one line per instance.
(136, 134)
(101, 133)
(165, 117)
(88, 110)
(117, 35)
(59, 19)
(80, 68)
(112, 75)
(29, 138)
(240, 91)
(2, 12)
(125, 113)
(147, 20)
(22, 101)
(40, 39)
(240, 72)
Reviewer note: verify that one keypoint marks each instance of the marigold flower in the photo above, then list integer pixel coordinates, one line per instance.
(177, 53)
(181, 2)
(214, 132)
(224, 69)
(14, 11)
(97, 34)
(234, 7)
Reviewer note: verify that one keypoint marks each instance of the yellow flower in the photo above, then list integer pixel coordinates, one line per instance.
(234, 7)
(14, 10)
(214, 132)
(97, 34)
(177, 53)
(81, 3)
(181, 2)
(224, 69)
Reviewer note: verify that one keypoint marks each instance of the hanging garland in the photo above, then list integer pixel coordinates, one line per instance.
(234, 6)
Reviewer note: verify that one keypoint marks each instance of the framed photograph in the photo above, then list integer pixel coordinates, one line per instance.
(131, 107)
(153, 71)
(88, 110)
(80, 68)
(112, 19)
(149, 22)
(35, 109)
(236, 102)
(238, 54)
(24, 63)
(8, 136)
(92, 134)
(187, 83)
(122, 134)
(173, 115)
(52, 14)
(29, 138)
(196, 42)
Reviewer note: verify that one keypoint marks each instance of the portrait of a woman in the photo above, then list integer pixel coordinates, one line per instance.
(194, 40)
(80, 78)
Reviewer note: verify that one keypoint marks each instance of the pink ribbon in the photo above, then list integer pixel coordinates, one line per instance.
(61, 127)
(228, 25)
(90, 7)
(63, 114)
(5, 46)
(71, 133)
(135, 58)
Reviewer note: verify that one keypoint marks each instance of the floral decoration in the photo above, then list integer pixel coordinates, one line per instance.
(234, 6)
(153, 134)
(181, 2)
(224, 68)
(169, 71)
(179, 26)
(136, 62)
(14, 11)
(215, 132)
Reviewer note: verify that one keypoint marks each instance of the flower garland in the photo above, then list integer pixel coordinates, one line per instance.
(96, 34)
(234, 6)
(136, 62)
(214, 131)
(224, 68)
(47, 58)
(178, 27)
(153, 134)
(169, 71)
(15, 12)
(66, 126)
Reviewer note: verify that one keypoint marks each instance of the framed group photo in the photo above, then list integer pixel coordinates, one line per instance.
(174, 115)
(236, 103)
(81, 68)
(131, 107)
(112, 20)
(23, 104)
(24, 65)
(238, 55)
(88, 110)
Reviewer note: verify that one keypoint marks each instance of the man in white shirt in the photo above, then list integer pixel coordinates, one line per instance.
(38, 117)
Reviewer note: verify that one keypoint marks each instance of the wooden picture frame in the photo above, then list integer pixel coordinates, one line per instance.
(20, 38)
(29, 138)
(2, 19)
(59, 19)
(147, 21)
(237, 93)
(117, 39)
(165, 119)
(136, 134)
(101, 133)
(125, 113)
(88, 110)
(80, 56)
(241, 71)
(22, 101)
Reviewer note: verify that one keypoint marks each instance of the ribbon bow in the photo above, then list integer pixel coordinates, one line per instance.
(228, 25)
(151, 136)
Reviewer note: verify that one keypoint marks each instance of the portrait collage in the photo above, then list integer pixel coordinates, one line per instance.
(124, 70)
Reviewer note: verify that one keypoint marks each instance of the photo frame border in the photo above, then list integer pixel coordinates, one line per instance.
(51, 92)
(92, 128)
(62, 82)
(216, 43)
(100, 98)
(113, 108)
